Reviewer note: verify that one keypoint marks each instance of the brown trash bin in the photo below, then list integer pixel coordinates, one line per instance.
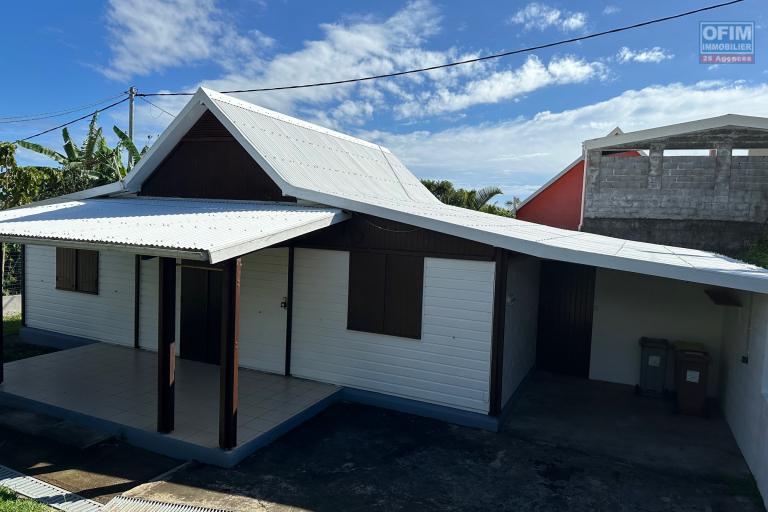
(691, 376)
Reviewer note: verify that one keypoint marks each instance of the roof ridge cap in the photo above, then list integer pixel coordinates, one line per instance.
(258, 109)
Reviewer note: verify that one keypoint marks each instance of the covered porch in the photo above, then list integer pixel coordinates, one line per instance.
(158, 400)
(114, 389)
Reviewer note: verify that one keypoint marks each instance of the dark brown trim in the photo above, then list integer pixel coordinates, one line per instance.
(166, 345)
(424, 254)
(497, 340)
(136, 299)
(289, 312)
(207, 268)
(23, 285)
(2, 318)
(230, 340)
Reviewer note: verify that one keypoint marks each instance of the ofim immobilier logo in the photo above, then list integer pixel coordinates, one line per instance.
(727, 42)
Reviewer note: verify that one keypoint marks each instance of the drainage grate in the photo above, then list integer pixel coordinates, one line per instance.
(122, 504)
(45, 493)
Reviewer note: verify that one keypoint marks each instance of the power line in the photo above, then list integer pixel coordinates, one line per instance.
(57, 113)
(467, 61)
(156, 106)
(76, 120)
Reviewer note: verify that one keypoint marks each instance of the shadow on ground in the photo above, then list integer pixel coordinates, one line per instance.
(355, 457)
(74, 458)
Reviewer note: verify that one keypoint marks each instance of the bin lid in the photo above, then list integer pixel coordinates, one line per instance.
(654, 342)
(690, 346)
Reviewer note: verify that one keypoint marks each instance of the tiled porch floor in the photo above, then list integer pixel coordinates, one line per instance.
(118, 384)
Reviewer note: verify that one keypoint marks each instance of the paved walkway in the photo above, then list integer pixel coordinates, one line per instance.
(67, 456)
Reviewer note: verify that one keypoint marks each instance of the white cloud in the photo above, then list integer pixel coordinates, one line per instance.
(540, 16)
(148, 36)
(611, 9)
(503, 85)
(655, 55)
(500, 153)
(351, 47)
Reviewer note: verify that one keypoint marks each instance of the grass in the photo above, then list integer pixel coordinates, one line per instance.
(10, 502)
(15, 349)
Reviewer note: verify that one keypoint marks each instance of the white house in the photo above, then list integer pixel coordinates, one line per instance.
(255, 264)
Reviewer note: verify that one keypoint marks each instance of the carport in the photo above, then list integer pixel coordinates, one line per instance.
(585, 343)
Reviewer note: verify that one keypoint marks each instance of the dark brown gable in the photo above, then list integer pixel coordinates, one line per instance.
(209, 163)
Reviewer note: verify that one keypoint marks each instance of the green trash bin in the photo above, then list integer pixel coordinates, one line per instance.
(653, 366)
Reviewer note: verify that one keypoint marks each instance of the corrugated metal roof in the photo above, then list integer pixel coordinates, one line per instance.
(571, 246)
(210, 230)
(326, 167)
(710, 123)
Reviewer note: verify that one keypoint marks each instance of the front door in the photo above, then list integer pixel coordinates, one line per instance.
(201, 300)
(566, 301)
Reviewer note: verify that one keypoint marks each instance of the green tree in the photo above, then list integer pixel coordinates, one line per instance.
(478, 200)
(87, 165)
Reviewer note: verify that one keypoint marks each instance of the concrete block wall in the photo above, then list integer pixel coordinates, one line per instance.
(717, 202)
(722, 187)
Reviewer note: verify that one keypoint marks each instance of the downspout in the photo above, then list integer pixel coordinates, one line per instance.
(585, 158)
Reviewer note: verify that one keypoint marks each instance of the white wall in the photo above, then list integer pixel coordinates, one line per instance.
(107, 316)
(448, 366)
(745, 386)
(628, 306)
(521, 322)
(264, 285)
(148, 303)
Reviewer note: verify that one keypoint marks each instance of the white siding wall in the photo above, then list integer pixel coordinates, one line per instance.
(448, 366)
(262, 320)
(745, 386)
(264, 285)
(107, 316)
(148, 303)
(628, 306)
(520, 322)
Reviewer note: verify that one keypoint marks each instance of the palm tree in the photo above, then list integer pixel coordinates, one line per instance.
(464, 198)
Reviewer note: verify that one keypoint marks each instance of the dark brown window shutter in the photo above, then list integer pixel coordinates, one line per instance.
(66, 269)
(365, 310)
(403, 295)
(88, 271)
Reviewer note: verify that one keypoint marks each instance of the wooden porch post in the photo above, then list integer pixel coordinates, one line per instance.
(497, 336)
(136, 299)
(2, 317)
(230, 339)
(289, 312)
(166, 345)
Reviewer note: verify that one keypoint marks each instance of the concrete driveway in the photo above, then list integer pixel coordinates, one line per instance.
(362, 458)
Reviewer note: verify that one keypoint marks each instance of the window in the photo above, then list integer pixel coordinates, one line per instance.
(385, 293)
(77, 270)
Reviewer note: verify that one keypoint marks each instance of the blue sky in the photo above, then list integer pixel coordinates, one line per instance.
(511, 122)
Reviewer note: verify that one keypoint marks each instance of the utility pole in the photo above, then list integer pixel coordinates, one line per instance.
(131, 97)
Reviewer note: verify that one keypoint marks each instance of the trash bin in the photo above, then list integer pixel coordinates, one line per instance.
(653, 365)
(691, 376)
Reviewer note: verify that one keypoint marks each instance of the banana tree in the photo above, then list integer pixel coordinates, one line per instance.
(92, 163)
(134, 154)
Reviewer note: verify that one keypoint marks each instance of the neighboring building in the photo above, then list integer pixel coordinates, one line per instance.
(253, 268)
(691, 190)
(558, 202)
